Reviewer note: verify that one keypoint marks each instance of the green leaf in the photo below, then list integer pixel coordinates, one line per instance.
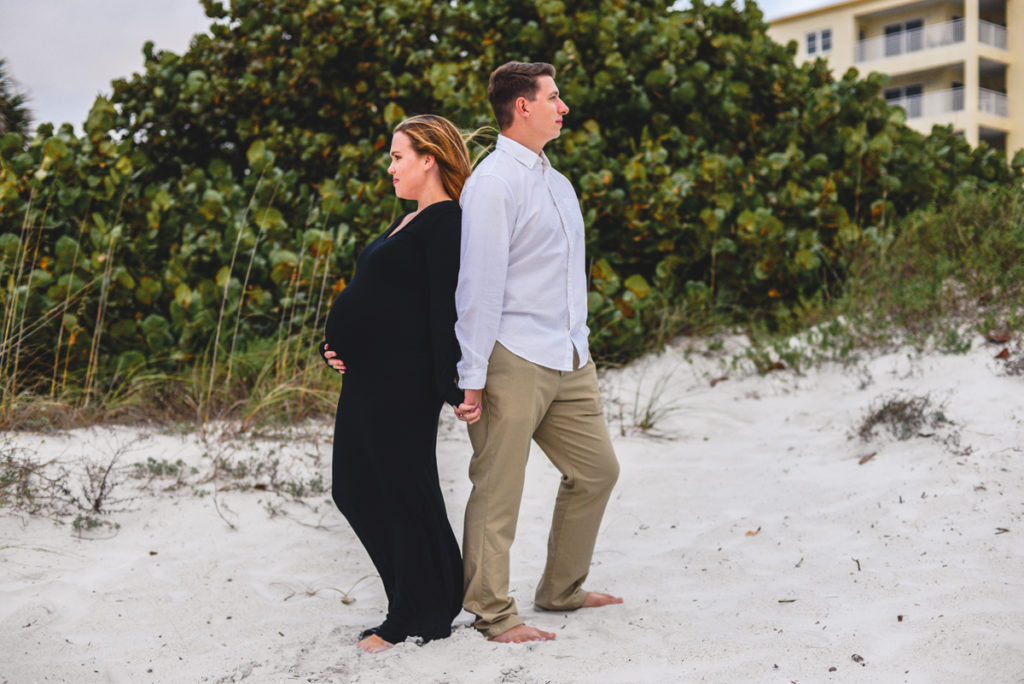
(637, 284)
(212, 204)
(157, 333)
(604, 278)
(259, 157)
(806, 259)
(123, 278)
(148, 290)
(124, 166)
(393, 114)
(282, 272)
(39, 278)
(10, 245)
(223, 275)
(55, 149)
(123, 330)
(270, 219)
(100, 120)
(634, 171)
(183, 295)
(194, 81)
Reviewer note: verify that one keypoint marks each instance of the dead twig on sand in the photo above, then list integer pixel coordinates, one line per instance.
(216, 507)
(346, 596)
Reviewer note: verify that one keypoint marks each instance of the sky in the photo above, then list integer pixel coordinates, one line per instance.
(64, 53)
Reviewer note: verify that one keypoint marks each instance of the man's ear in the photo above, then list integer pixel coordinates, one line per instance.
(523, 107)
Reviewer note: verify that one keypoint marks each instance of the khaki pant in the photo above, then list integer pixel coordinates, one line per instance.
(562, 411)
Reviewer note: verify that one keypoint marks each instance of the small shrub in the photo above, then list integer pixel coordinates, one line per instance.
(903, 417)
(161, 468)
(20, 479)
(650, 411)
(57, 490)
(265, 474)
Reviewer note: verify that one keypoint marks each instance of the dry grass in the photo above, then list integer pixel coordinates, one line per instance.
(263, 390)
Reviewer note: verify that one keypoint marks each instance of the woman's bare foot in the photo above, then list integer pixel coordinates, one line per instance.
(521, 633)
(595, 599)
(374, 644)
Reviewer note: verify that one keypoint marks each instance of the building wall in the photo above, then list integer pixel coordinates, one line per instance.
(874, 25)
(1015, 73)
(941, 78)
(935, 68)
(844, 36)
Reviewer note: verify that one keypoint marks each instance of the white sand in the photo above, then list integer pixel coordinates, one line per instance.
(841, 549)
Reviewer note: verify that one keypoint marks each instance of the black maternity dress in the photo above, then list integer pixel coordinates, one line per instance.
(394, 327)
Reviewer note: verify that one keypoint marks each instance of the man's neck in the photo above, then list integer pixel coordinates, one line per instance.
(518, 135)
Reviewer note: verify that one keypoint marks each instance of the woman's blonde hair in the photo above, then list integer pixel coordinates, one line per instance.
(438, 137)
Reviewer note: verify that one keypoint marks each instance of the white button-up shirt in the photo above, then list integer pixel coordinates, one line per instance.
(522, 277)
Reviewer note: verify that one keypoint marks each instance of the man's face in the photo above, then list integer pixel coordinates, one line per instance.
(547, 109)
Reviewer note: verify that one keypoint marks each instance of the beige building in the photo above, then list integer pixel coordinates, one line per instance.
(948, 61)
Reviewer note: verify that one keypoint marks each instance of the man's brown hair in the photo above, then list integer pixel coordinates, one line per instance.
(511, 81)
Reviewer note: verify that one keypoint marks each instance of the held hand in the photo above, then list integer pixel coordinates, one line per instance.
(333, 361)
(471, 407)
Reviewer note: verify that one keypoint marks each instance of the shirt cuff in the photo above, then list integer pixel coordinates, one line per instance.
(473, 379)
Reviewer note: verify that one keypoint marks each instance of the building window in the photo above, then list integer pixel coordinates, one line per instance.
(956, 92)
(905, 36)
(910, 97)
(819, 42)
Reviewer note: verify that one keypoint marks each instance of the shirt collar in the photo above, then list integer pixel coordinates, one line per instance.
(521, 153)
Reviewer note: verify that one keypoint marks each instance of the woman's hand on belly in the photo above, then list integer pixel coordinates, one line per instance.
(332, 359)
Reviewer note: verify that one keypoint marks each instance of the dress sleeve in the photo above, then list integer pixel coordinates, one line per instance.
(442, 254)
(322, 349)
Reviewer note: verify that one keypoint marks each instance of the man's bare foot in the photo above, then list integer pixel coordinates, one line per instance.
(521, 633)
(374, 644)
(596, 599)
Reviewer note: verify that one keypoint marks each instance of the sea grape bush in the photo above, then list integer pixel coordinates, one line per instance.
(220, 196)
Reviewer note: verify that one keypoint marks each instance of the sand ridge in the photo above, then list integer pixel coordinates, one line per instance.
(750, 541)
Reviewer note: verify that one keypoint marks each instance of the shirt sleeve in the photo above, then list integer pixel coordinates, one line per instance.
(488, 217)
(441, 246)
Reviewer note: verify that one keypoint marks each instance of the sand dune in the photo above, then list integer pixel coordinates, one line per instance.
(748, 538)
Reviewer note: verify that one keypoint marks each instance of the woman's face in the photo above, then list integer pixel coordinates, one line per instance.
(408, 169)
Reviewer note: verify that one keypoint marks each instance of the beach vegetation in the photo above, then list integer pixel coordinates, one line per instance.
(645, 411)
(175, 262)
(56, 489)
(19, 474)
(947, 277)
(903, 417)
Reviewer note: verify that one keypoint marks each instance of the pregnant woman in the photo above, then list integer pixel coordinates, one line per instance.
(391, 332)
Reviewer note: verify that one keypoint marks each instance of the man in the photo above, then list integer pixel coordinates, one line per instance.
(526, 369)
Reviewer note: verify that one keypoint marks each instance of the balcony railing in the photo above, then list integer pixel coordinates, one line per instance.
(939, 102)
(931, 36)
(993, 102)
(992, 34)
(934, 103)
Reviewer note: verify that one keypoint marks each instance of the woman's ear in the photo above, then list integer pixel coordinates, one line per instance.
(429, 162)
